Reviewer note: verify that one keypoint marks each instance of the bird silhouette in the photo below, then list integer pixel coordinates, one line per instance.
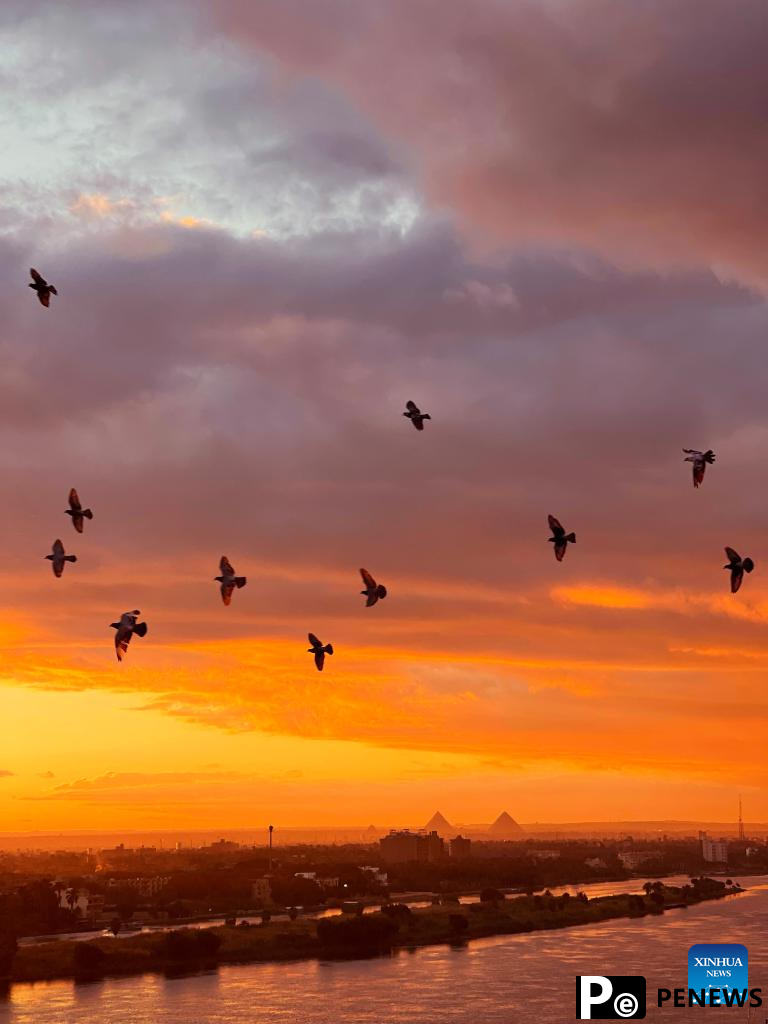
(559, 537)
(41, 286)
(415, 415)
(77, 511)
(228, 580)
(700, 461)
(319, 650)
(738, 566)
(373, 590)
(126, 627)
(59, 557)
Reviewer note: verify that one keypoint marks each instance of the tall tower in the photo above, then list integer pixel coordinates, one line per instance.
(741, 822)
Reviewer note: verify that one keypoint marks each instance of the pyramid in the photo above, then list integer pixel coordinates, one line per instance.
(437, 823)
(505, 827)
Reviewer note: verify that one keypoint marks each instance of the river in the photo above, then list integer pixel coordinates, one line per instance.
(502, 980)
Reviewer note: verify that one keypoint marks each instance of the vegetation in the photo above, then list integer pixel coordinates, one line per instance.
(395, 925)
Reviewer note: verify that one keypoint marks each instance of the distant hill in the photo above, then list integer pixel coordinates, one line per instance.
(437, 823)
(505, 827)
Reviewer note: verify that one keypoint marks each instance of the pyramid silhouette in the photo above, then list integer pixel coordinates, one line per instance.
(505, 827)
(437, 823)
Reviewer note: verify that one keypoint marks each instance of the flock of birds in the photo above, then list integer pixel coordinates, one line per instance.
(229, 581)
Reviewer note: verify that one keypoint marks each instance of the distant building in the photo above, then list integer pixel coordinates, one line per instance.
(438, 823)
(597, 863)
(145, 886)
(505, 827)
(544, 854)
(376, 874)
(633, 859)
(459, 848)
(87, 904)
(714, 851)
(402, 846)
(399, 846)
(261, 891)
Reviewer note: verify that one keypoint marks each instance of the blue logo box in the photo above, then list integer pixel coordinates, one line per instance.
(718, 966)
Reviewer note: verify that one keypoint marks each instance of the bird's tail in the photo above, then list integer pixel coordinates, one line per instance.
(87, 513)
(52, 289)
(70, 558)
(240, 581)
(112, 625)
(49, 557)
(328, 648)
(426, 416)
(381, 591)
(749, 565)
(571, 538)
(140, 629)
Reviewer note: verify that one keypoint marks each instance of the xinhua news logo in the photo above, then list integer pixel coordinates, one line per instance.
(610, 997)
(719, 970)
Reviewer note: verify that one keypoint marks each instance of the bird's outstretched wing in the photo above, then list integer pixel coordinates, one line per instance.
(733, 556)
(313, 640)
(555, 526)
(37, 277)
(319, 659)
(412, 407)
(122, 639)
(560, 546)
(226, 592)
(691, 451)
(58, 548)
(368, 580)
(737, 575)
(74, 501)
(226, 566)
(699, 466)
(45, 298)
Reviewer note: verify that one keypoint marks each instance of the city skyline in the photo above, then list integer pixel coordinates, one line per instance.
(263, 248)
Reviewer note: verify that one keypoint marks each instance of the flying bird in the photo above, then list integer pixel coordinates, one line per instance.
(415, 415)
(228, 580)
(373, 590)
(559, 537)
(738, 567)
(41, 286)
(700, 461)
(59, 557)
(319, 650)
(126, 627)
(77, 511)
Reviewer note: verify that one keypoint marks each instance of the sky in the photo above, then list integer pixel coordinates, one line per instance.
(271, 224)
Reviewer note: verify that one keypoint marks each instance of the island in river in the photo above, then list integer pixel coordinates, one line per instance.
(395, 925)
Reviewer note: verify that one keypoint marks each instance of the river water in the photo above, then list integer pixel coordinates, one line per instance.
(502, 980)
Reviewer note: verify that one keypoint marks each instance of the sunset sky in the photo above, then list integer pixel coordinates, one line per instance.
(273, 222)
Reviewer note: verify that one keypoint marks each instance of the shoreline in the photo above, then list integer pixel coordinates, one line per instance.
(411, 898)
(188, 951)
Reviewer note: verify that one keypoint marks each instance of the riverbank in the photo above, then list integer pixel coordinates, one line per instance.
(188, 950)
